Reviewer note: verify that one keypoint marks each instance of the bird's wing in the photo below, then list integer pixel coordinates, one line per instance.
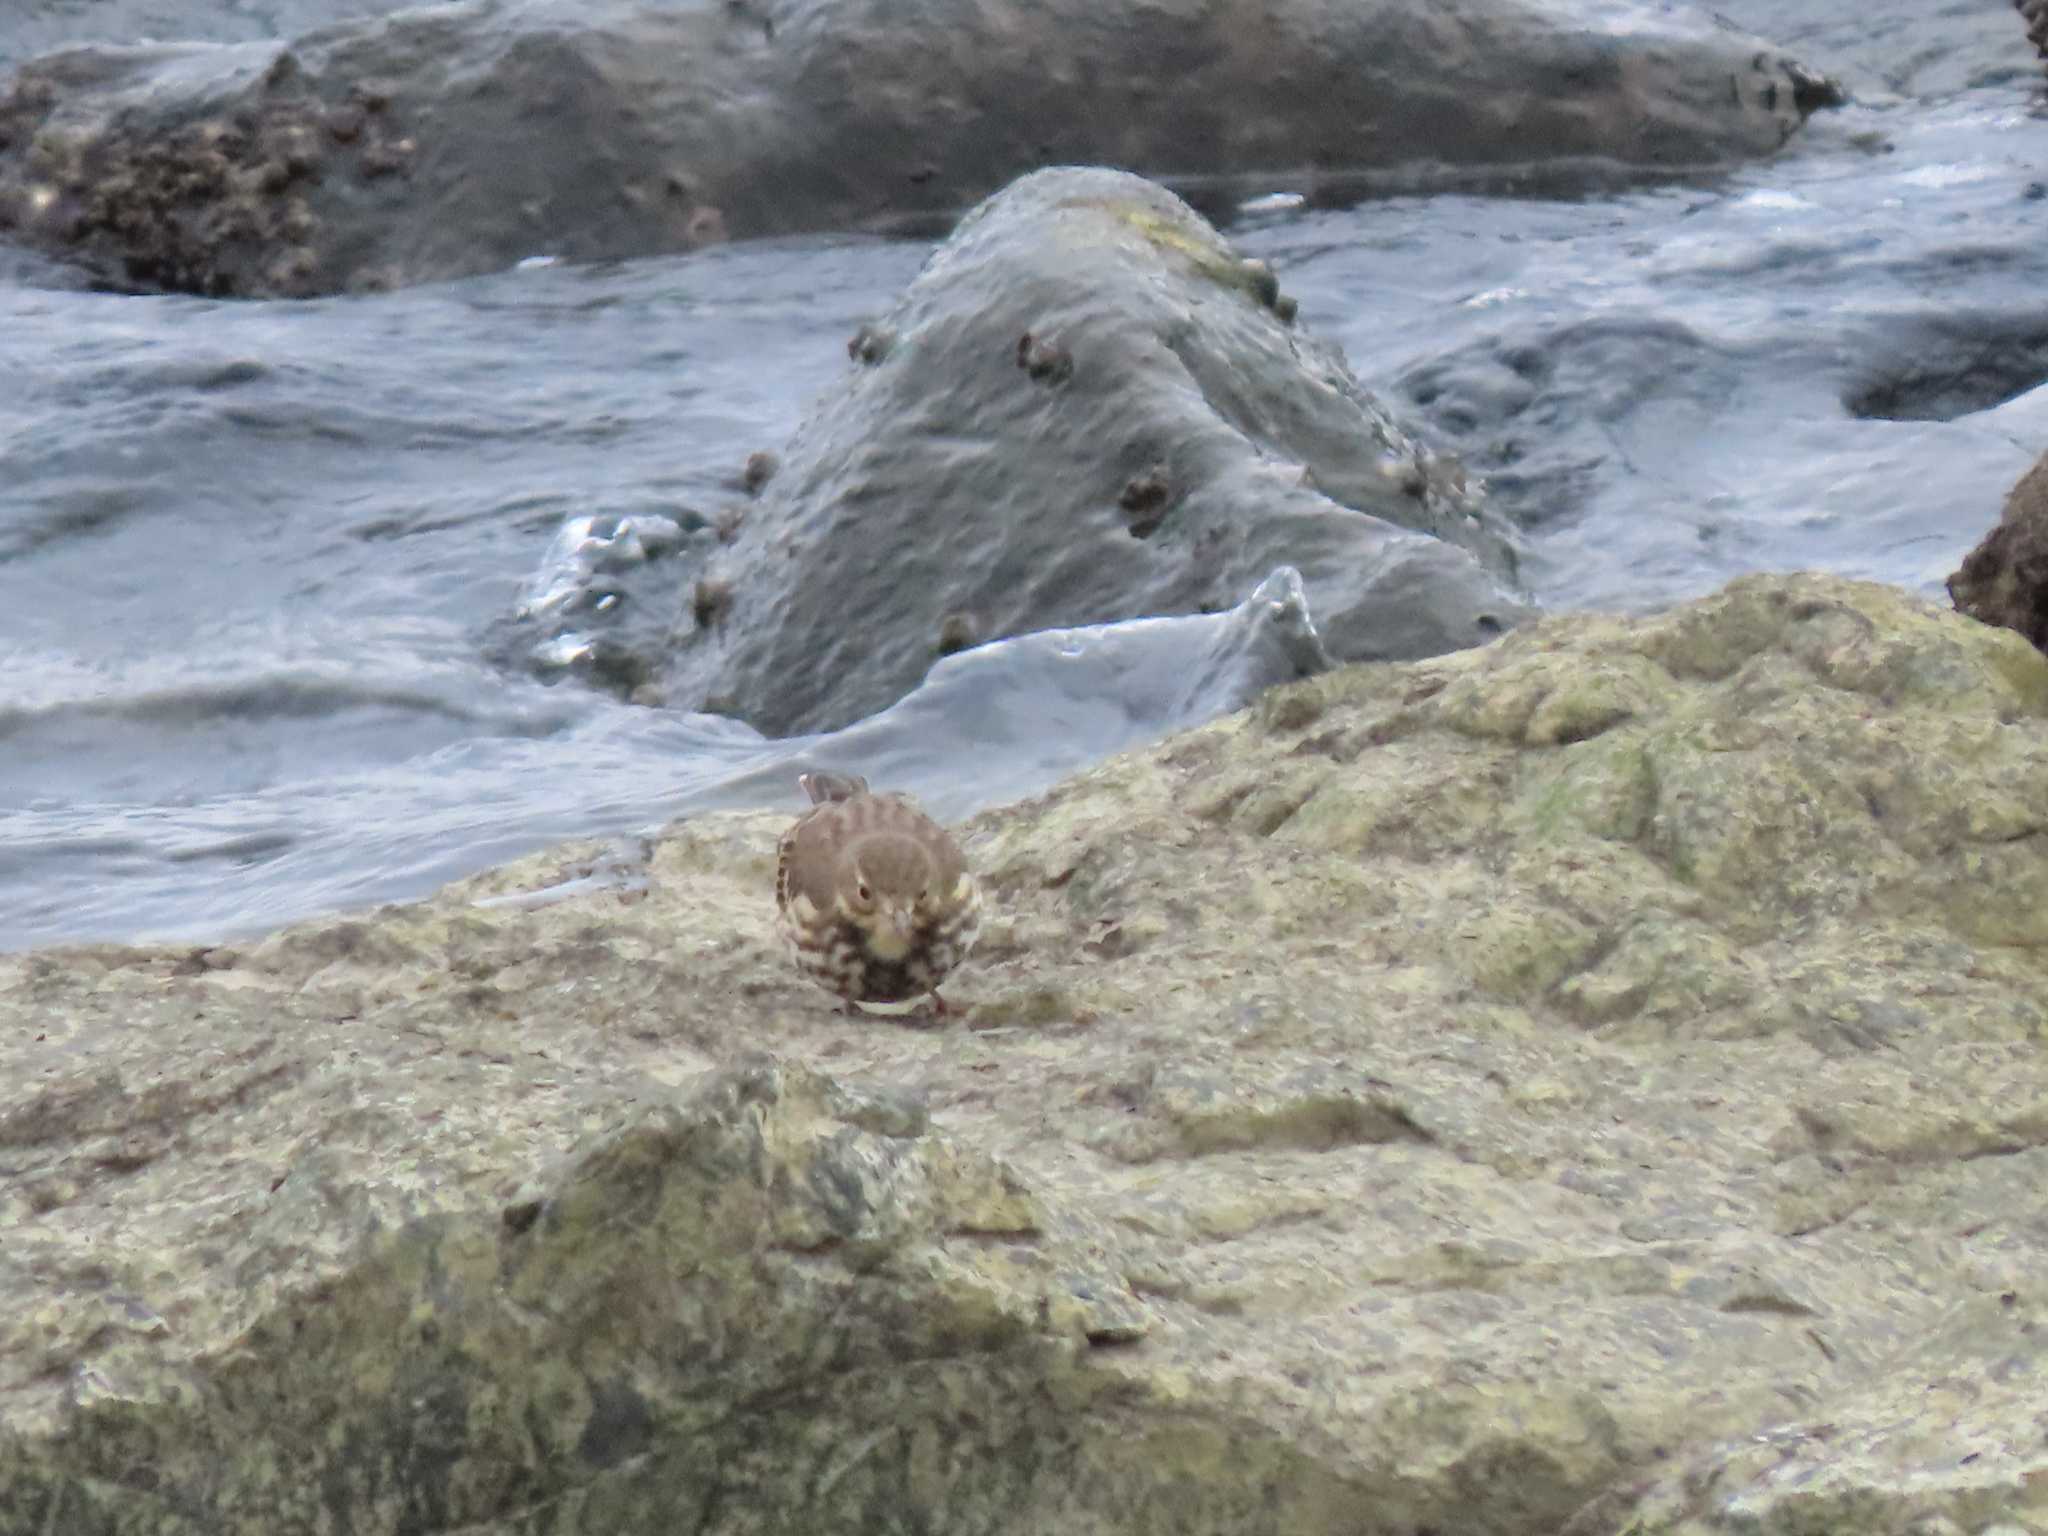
(806, 856)
(950, 864)
(785, 849)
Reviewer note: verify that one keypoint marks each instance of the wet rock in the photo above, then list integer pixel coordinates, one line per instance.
(212, 203)
(870, 344)
(2034, 14)
(1156, 443)
(710, 601)
(1043, 360)
(1590, 1082)
(1144, 501)
(2004, 580)
(958, 632)
(760, 469)
(466, 137)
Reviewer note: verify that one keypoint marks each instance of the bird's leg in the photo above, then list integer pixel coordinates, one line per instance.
(940, 1007)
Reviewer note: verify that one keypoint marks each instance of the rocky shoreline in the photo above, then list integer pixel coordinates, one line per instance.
(1587, 1081)
(1086, 409)
(462, 138)
(1594, 1078)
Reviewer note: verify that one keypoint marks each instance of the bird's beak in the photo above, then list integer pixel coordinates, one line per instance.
(891, 935)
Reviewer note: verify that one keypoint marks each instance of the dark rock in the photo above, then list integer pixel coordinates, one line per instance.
(710, 601)
(2004, 580)
(761, 467)
(2035, 14)
(462, 138)
(870, 344)
(958, 632)
(941, 479)
(1044, 361)
(1144, 501)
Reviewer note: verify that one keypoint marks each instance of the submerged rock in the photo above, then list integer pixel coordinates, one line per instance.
(2004, 580)
(1594, 1081)
(462, 138)
(1087, 409)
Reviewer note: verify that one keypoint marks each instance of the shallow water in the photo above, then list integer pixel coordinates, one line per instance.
(252, 556)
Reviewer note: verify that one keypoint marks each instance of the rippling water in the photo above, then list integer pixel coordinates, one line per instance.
(251, 554)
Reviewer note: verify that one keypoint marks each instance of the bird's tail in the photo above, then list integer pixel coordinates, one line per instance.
(822, 787)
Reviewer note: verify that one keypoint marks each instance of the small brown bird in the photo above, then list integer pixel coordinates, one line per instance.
(874, 897)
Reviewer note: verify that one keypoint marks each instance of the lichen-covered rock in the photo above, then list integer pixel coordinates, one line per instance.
(1086, 408)
(460, 138)
(1920, 1449)
(1595, 1081)
(649, 1328)
(2004, 580)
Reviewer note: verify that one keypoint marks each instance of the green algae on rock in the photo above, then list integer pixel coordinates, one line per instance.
(1594, 1081)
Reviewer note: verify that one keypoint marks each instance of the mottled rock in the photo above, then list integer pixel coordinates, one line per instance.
(518, 1372)
(461, 138)
(1591, 1082)
(1089, 411)
(2004, 580)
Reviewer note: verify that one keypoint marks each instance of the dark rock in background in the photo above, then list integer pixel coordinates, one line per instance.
(2035, 14)
(2004, 580)
(1086, 408)
(462, 138)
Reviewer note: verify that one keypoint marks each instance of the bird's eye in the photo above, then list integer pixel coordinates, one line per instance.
(864, 893)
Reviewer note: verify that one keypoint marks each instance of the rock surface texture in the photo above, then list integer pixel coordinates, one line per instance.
(1086, 408)
(461, 138)
(1592, 1082)
(2004, 580)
